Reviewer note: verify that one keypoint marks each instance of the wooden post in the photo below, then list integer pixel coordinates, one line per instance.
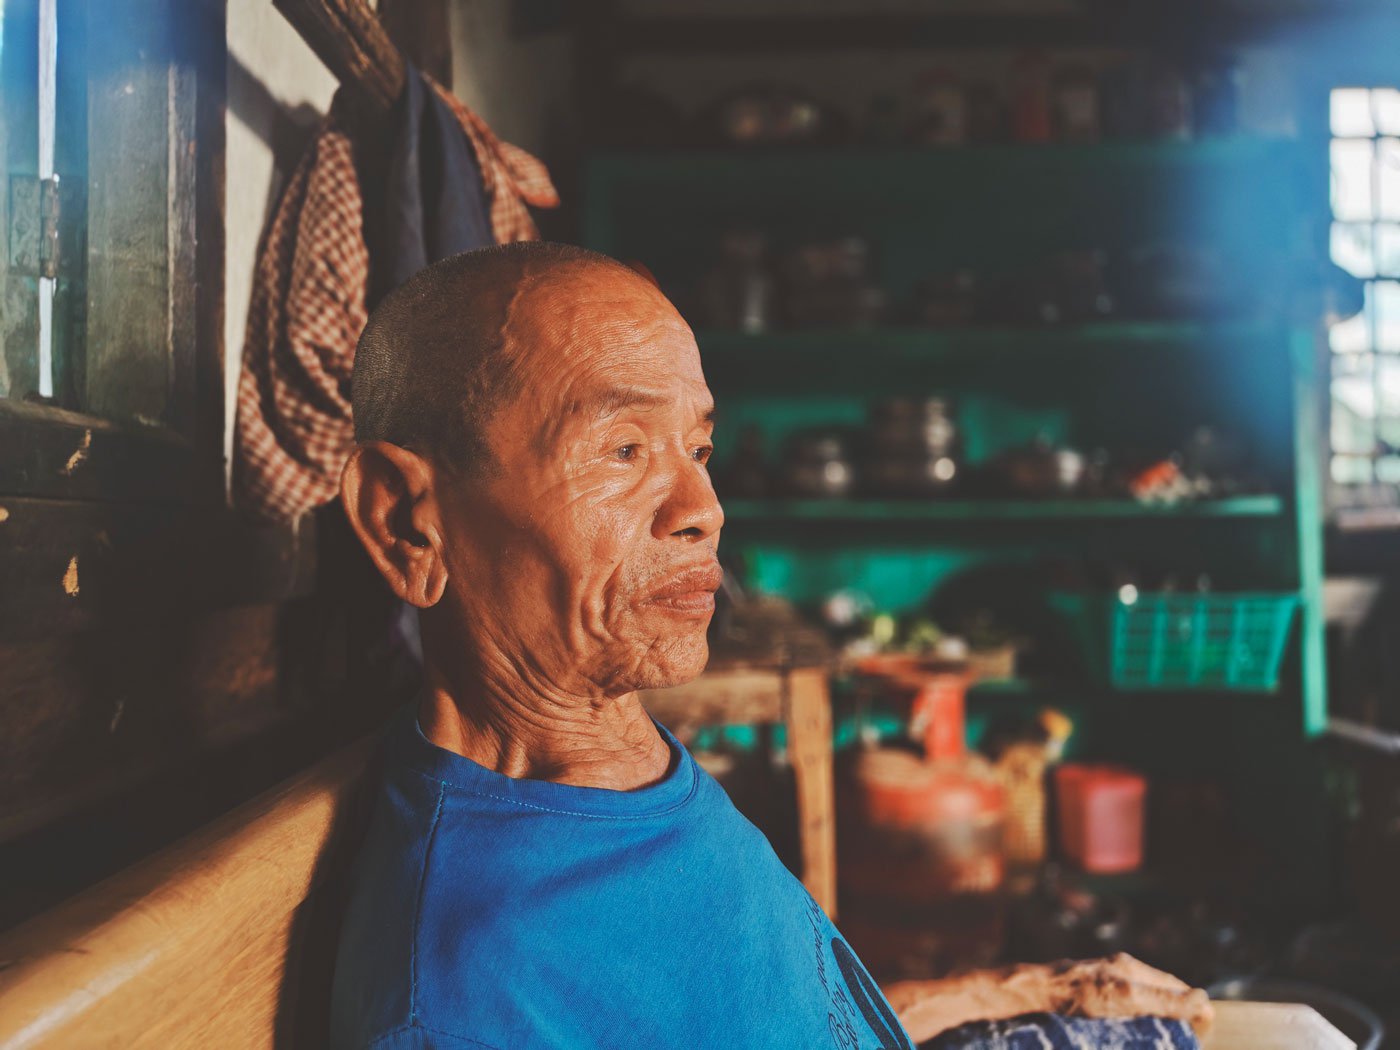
(422, 32)
(347, 37)
(129, 266)
(808, 717)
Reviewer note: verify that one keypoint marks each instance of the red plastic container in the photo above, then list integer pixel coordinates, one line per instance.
(1101, 816)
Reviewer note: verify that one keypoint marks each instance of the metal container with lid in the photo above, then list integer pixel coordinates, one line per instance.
(912, 447)
(815, 463)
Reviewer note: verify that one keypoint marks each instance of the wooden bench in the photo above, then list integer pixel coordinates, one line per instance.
(227, 939)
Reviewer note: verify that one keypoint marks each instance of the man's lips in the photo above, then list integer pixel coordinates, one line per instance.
(690, 591)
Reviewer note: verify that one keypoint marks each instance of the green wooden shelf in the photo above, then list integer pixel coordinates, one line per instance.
(893, 361)
(1012, 338)
(1009, 687)
(855, 510)
(699, 166)
(927, 209)
(999, 211)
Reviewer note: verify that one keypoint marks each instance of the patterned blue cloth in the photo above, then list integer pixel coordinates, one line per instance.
(1053, 1032)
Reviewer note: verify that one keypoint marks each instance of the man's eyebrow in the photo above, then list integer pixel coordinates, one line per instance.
(618, 398)
(605, 403)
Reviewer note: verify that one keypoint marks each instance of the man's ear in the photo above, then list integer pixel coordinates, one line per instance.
(388, 496)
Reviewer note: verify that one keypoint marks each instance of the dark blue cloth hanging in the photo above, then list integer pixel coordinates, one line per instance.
(426, 203)
(1053, 1032)
(431, 203)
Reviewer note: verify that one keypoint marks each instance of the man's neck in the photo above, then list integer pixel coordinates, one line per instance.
(584, 742)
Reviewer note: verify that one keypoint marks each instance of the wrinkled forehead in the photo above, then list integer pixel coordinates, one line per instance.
(589, 345)
(596, 326)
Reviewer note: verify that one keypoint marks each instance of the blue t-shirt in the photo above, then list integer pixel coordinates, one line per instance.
(489, 911)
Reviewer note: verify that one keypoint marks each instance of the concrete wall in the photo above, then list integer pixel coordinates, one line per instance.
(521, 85)
(277, 90)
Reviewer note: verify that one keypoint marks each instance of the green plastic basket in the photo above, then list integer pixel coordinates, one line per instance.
(1184, 641)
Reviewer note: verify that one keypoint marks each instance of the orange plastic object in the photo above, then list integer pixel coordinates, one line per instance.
(938, 716)
(918, 830)
(920, 861)
(937, 696)
(1101, 816)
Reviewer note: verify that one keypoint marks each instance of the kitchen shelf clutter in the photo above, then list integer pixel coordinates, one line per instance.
(952, 381)
(917, 343)
(1120, 298)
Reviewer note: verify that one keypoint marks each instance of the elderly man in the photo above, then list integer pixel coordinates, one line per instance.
(547, 866)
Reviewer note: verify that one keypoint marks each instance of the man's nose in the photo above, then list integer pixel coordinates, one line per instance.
(690, 509)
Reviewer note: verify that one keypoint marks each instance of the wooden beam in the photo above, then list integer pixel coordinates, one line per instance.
(810, 751)
(130, 247)
(198, 119)
(721, 697)
(72, 565)
(422, 32)
(53, 453)
(347, 37)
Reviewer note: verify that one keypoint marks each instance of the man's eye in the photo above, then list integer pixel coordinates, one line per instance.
(626, 452)
(701, 454)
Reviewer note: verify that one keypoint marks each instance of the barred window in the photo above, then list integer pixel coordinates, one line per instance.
(1365, 241)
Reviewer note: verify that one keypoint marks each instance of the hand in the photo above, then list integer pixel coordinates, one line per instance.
(1122, 986)
(1116, 987)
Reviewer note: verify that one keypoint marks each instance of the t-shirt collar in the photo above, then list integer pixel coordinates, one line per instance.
(407, 743)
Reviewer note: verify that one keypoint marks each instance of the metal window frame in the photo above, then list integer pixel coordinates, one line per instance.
(1373, 354)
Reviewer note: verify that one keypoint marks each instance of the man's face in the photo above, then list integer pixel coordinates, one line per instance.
(589, 562)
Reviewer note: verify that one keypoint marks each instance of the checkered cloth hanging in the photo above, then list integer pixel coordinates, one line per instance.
(294, 430)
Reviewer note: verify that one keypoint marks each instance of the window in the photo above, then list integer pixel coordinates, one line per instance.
(99, 108)
(1365, 241)
(43, 128)
(111, 283)
(139, 628)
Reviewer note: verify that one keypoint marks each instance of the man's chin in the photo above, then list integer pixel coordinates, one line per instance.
(676, 665)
